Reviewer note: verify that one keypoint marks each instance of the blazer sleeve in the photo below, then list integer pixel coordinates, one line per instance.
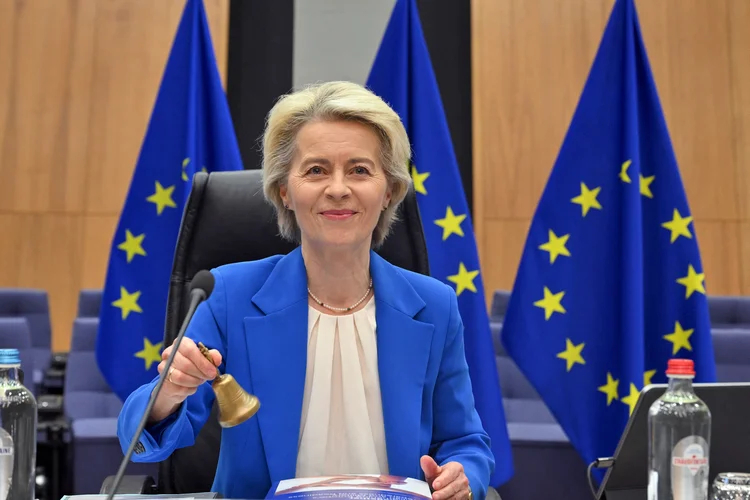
(458, 435)
(180, 429)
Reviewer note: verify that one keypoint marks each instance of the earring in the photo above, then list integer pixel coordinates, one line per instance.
(286, 206)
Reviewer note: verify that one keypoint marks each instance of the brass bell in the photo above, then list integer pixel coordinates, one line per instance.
(235, 404)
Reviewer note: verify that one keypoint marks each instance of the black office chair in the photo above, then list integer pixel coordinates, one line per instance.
(226, 219)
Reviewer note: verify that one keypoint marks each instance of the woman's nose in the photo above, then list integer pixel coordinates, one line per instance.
(338, 187)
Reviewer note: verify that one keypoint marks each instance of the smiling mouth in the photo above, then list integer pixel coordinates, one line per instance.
(338, 214)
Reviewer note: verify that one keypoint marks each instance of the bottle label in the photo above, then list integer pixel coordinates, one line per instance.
(689, 467)
(6, 463)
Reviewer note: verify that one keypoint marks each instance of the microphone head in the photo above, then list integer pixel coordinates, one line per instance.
(204, 281)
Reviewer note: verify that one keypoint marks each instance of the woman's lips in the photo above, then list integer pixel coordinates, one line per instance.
(338, 214)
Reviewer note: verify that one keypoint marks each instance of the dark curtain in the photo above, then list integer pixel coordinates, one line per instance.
(259, 67)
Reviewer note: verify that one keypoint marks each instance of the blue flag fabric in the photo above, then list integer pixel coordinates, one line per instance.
(610, 284)
(190, 130)
(402, 75)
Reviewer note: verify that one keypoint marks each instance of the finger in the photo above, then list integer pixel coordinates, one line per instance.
(182, 363)
(216, 355)
(165, 353)
(175, 391)
(429, 467)
(178, 377)
(196, 357)
(458, 488)
(451, 471)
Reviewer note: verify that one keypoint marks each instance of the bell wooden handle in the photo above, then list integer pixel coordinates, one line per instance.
(206, 353)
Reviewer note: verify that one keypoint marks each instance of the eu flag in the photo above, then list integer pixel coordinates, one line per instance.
(402, 75)
(190, 130)
(610, 284)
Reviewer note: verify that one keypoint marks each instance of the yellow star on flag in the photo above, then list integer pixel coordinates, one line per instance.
(133, 245)
(680, 338)
(679, 226)
(150, 354)
(632, 398)
(610, 388)
(451, 224)
(693, 282)
(128, 302)
(185, 163)
(572, 354)
(624, 171)
(646, 186)
(419, 180)
(647, 376)
(162, 198)
(464, 280)
(587, 199)
(555, 246)
(551, 303)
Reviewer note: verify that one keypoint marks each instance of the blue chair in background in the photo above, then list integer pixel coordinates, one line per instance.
(84, 334)
(92, 409)
(33, 305)
(732, 354)
(729, 312)
(89, 303)
(499, 305)
(15, 334)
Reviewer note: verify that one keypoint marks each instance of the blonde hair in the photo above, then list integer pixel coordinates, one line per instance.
(334, 101)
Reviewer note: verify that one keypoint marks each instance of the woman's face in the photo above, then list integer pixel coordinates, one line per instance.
(336, 185)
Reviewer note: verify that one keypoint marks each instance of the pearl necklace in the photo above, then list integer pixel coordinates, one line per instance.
(341, 309)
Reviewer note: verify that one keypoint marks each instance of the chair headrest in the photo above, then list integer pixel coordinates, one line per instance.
(227, 219)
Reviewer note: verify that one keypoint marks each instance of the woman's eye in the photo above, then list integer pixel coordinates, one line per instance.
(361, 170)
(315, 170)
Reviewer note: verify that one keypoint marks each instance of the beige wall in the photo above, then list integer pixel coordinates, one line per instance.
(78, 79)
(530, 62)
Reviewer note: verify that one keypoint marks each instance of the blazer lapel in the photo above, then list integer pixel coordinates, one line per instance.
(277, 348)
(403, 353)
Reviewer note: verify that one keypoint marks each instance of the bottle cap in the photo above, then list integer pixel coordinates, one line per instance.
(680, 367)
(10, 357)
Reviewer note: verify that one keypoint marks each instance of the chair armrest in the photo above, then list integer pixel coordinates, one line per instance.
(50, 404)
(59, 361)
(53, 381)
(133, 485)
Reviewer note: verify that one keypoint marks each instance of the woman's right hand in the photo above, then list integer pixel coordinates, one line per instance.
(189, 370)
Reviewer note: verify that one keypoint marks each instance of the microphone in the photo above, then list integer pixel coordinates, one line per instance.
(200, 289)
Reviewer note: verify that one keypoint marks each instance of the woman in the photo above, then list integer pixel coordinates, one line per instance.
(359, 365)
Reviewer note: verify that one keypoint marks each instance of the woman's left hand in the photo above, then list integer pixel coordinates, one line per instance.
(447, 481)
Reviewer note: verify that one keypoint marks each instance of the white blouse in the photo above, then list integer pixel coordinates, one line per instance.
(342, 429)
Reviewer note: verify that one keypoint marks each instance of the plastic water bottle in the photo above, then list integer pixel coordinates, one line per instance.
(17, 431)
(679, 439)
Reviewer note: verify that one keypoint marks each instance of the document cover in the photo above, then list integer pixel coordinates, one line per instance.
(351, 486)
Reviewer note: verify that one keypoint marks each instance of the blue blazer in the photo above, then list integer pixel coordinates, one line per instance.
(257, 318)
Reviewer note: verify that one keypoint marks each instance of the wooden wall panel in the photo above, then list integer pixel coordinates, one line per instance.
(690, 60)
(721, 255)
(78, 80)
(739, 46)
(530, 62)
(97, 240)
